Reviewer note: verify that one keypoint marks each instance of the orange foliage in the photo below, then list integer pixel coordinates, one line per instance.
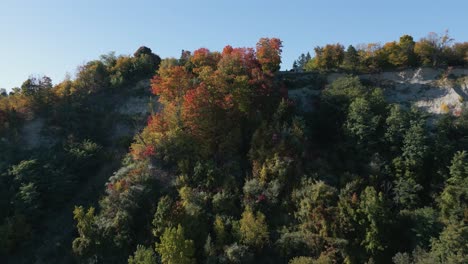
(171, 83)
(269, 54)
(237, 61)
(203, 57)
(208, 96)
(157, 123)
(194, 106)
(146, 141)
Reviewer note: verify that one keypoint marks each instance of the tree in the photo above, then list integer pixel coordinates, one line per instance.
(362, 123)
(372, 57)
(316, 207)
(28, 199)
(253, 229)
(431, 49)
(373, 217)
(164, 217)
(329, 57)
(34, 85)
(399, 54)
(451, 246)
(459, 54)
(423, 225)
(204, 58)
(351, 59)
(38, 91)
(397, 124)
(146, 62)
(171, 84)
(143, 255)
(174, 248)
(220, 231)
(407, 55)
(409, 168)
(92, 77)
(142, 51)
(453, 200)
(269, 54)
(300, 63)
(85, 244)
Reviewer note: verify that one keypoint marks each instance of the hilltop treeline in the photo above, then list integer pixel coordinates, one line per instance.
(434, 50)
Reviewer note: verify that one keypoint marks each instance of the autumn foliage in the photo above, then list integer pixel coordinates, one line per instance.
(208, 95)
(269, 53)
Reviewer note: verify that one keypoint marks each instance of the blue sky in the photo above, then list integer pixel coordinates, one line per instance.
(53, 37)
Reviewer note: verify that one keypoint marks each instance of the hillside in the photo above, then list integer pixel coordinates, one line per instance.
(218, 157)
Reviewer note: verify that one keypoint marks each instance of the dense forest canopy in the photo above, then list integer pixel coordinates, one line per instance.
(229, 169)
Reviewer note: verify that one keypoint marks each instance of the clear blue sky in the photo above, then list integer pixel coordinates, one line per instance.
(53, 37)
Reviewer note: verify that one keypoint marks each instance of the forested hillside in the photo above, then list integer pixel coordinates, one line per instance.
(356, 156)
(58, 146)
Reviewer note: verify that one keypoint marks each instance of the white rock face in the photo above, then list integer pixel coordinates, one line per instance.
(436, 91)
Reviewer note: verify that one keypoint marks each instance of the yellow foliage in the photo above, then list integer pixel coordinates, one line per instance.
(264, 174)
(444, 108)
(253, 228)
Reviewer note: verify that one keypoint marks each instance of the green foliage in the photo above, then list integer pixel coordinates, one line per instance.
(453, 199)
(324, 258)
(419, 256)
(431, 49)
(302, 260)
(26, 170)
(224, 202)
(64, 158)
(85, 244)
(92, 77)
(220, 231)
(300, 64)
(316, 207)
(406, 191)
(409, 167)
(28, 198)
(164, 216)
(373, 217)
(84, 150)
(143, 255)
(423, 224)
(174, 248)
(253, 229)
(351, 59)
(434, 50)
(346, 88)
(451, 247)
(192, 200)
(397, 124)
(329, 57)
(354, 181)
(236, 253)
(361, 122)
